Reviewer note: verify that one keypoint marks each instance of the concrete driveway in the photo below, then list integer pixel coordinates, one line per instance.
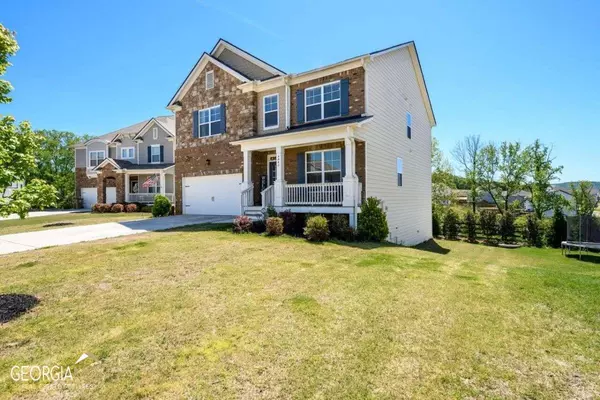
(63, 236)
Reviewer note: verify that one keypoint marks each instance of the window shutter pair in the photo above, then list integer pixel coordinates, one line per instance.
(162, 154)
(196, 120)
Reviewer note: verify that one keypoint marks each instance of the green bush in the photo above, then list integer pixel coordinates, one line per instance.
(317, 229)
(436, 227)
(269, 212)
(471, 225)
(507, 227)
(340, 228)
(372, 221)
(533, 232)
(161, 206)
(274, 226)
(451, 225)
(488, 224)
(146, 209)
(558, 229)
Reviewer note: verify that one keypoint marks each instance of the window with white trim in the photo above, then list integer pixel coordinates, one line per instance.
(271, 111)
(96, 157)
(210, 80)
(209, 120)
(408, 125)
(323, 102)
(154, 154)
(324, 166)
(127, 153)
(155, 133)
(399, 170)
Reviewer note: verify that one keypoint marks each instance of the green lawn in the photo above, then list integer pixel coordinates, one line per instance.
(196, 313)
(64, 221)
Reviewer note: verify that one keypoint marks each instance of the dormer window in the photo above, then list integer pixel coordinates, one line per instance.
(210, 80)
(323, 101)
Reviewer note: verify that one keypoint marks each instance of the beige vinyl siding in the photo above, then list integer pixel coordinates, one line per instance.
(80, 158)
(163, 138)
(392, 90)
(281, 106)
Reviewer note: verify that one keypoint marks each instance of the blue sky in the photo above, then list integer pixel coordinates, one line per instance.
(509, 70)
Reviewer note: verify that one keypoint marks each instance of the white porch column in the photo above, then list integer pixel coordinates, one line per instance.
(279, 185)
(126, 187)
(350, 180)
(163, 183)
(247, 169)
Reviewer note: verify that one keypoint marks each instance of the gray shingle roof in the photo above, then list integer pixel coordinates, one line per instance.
(168, 121)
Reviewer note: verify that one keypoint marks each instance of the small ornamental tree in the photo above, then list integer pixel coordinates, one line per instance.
(507, 227)
(36, 194)
(372, 221)
(161, 206)
(533, 231)
(558, 229)
(488, 223)
(471, 226)
(451, 225)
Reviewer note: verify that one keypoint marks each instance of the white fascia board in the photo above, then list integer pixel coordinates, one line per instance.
(222, 45)
(261, 86)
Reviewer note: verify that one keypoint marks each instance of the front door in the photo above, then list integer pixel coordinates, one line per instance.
(272, 173)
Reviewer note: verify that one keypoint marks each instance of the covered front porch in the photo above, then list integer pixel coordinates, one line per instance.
(309, 172)
(143, 186)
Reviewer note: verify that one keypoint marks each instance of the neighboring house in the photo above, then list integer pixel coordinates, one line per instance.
(250, 136)
(113, 168)
(9, 190)
(566, 194)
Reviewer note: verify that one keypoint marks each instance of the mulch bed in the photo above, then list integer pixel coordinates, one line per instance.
(13, 305)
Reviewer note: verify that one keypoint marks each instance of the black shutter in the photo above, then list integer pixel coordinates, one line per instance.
(343, 162)
(162, 153)
(149, 154)
(344, 96)
(195, 124)
(301, 167)
(223, 126)
(300, 106)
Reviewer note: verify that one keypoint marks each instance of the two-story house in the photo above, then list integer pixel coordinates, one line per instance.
(132, 164)
(250, 136)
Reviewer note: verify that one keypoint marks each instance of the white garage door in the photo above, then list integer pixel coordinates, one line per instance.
(90, 197)
(212, 195)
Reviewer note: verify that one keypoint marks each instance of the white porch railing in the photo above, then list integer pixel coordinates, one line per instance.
(147, 197)
(315, 193)
(268, 196)
(248, 196)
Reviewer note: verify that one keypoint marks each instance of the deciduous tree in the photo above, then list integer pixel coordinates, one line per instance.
(541, 174)
(467, 156)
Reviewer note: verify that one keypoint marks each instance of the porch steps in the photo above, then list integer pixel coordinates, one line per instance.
(255, 213)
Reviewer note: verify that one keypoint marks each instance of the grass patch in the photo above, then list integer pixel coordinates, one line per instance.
(11, 226)
(199, 312)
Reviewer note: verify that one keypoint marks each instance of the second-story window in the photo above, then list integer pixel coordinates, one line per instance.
(127, 153)
(96, 157)
(399, 170)
(271, 111)
(154, 154)
(209, 121)
(323, 101)
(210, 80)
(408, 125)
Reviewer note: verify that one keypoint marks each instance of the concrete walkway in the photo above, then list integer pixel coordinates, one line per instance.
(45, 213)
(63, 236)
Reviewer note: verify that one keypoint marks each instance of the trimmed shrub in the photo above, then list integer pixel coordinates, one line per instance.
(558, 229)
(274, 226)
(117, 208)
(471, 225)
(289, 221)
(340, 228)
(533, 231)
(451, 225)
(372, 221)
(96, 208)
(269, 212)
(436, 225)
(317, 229)
(161, 206)
(242, 224)
(259, 226)
(131, 207)
(488, 224)
(506, 225)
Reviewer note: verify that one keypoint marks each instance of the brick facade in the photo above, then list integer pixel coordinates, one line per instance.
(82, 181)
(212, 155)
(110, 178)
(356, 91)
